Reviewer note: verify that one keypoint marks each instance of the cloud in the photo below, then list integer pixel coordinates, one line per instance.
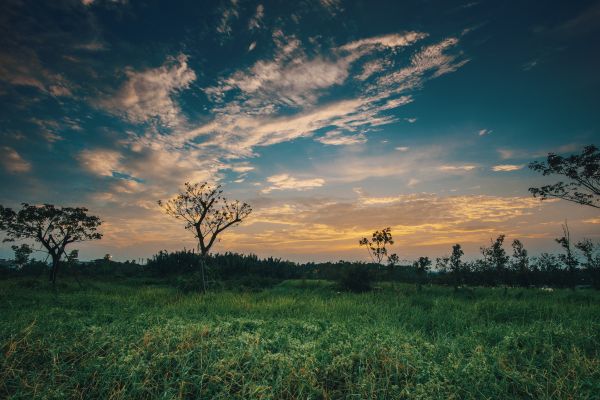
(336, 138)
(390, 41)
(325, 225)
(484, 132)
(506, 167)
(248, 102)
(410, 120)
(252, 46)
(402, 148)
(12, 161)
(101, 162)
(457, 168)
(23, 68)
(148, 94)
(256, 21)
(333, 7)
(229, 13)
(287, 182)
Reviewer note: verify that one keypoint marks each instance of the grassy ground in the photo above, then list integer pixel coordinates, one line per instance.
(297, 340)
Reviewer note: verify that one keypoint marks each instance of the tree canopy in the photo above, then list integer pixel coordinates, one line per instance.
(206, 212)
(53, 227)
(582, 171)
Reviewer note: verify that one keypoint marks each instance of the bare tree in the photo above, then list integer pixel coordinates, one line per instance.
(376, 247)
(206, 213)
(583, 172)
(54, 227)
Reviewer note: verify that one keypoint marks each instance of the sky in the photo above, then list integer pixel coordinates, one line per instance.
(331, 118)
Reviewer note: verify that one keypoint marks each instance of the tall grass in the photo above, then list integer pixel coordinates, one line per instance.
(298, 340)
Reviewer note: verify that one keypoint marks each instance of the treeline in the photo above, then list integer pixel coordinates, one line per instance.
(495, 268)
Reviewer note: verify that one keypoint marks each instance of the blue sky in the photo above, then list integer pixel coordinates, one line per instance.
(331, 118)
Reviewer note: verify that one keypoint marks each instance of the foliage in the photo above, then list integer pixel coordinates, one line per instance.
(356, 278)
(205, 212)
(583, 172)
(376, 247)
(22, 254)
(53, 227)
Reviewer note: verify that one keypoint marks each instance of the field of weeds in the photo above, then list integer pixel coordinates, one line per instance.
(298, 340)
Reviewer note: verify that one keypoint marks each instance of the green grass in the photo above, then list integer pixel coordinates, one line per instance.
(297, 340)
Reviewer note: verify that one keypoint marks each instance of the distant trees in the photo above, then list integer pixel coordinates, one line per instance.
(496, 257)
(376, 246)
(22, 254)
(520, 262)
(568, 258)
(455, 263)
(421, 268)
(53, 227)
(581, 170)
(206, 213)
(592, 260)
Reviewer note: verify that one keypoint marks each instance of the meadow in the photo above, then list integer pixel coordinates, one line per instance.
(300, 339)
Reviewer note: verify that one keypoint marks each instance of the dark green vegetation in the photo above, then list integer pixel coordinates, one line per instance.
(298, 339)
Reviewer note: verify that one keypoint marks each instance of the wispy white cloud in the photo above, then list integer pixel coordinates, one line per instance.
(229, 13)
(287, 182)
(148, 94)
(457, 168)
(336, 138)
(402, 148)
(12, 161)
(483, 132)
(256, 22)
(391, 41)
(506, 167)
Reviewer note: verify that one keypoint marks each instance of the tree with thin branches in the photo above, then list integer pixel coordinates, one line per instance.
(206, 213)
(53, 227)
(376, 247)
(582, 171)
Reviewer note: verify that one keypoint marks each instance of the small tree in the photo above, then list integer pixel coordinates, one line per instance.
(22, 254)
(521, 262)
(456, 264)
(568, 258)
(421, 268)
(496, 257)
(54, 227)
(206, 214)
(592, 260)
(582, 171)
(376, 247)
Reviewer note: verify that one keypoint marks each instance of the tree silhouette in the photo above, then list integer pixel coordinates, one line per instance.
(54, 227)
(583, 172)
(206, 213)
(592, 260)
(456, 264)
(421, 267)
(520, 262)
(22, 254)
(496, 257)
(568, 258)
(376, 247)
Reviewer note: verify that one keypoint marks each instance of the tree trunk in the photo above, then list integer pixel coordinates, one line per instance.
(54, 269)
(202, 268)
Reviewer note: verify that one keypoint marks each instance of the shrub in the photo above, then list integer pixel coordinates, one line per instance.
(356, 278)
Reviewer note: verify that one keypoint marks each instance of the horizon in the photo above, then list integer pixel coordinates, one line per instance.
(331, 118)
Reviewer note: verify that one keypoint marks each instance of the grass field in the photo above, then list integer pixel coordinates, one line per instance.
(297, 340)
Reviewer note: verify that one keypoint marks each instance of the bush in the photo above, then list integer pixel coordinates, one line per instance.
(356, 278)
